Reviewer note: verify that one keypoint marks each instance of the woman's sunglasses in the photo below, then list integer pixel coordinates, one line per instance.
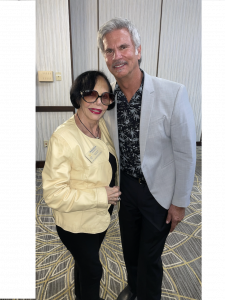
(91, 96)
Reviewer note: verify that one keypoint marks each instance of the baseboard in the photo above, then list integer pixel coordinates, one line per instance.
(40, 164)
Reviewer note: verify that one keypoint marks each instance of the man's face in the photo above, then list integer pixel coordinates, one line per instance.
(120, 55)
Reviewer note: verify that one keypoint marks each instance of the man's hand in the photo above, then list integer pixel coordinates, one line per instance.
(176, 215)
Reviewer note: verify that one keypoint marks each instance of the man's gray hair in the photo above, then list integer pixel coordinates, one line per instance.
(119, 23)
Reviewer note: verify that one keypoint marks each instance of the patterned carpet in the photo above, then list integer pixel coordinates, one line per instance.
(181, 256)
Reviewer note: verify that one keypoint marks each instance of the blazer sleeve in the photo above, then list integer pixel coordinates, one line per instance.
(183, 136)
(56, 182)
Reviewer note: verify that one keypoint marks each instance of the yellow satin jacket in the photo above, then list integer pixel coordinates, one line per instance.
(73, 186)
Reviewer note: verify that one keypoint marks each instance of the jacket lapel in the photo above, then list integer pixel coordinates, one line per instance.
(146, 110)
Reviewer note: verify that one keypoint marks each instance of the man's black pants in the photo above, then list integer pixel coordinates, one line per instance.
(143, 233)
(88, 269)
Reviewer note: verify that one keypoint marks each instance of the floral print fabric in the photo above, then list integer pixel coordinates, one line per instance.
(128, 115)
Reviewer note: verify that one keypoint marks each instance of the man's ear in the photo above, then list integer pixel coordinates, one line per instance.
(138, 52)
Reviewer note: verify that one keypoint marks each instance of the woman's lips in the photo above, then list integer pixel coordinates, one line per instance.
(95, 111)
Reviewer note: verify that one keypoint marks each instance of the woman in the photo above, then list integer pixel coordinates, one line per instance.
(80, 178)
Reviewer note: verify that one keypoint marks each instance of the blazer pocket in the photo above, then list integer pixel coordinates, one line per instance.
(156, 128)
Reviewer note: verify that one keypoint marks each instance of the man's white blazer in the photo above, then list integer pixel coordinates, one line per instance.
(167, 140)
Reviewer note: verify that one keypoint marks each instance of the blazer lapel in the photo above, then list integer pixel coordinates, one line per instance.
(146, 110)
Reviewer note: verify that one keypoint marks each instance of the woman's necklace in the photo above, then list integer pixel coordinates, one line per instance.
(88, 129)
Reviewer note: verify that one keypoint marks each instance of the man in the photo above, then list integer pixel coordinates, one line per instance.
(153, 130)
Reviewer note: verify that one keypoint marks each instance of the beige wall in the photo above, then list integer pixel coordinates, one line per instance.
(180, 49)
(52, 54)
(84, 27)
(176, 49)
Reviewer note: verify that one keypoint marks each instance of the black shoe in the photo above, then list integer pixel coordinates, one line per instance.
(126, 294)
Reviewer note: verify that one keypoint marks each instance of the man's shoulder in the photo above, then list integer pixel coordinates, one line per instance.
(163, 89)
(155, 83)
(159, 82)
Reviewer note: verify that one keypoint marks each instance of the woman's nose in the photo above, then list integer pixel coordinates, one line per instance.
(99, 101)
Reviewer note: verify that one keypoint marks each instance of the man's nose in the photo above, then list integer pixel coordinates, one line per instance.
(117, 54)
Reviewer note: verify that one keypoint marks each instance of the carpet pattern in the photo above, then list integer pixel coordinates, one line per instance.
(181, 256)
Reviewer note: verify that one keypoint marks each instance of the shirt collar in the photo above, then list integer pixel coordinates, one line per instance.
(117, 88)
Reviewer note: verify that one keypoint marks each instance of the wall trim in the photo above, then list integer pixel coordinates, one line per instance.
(40, 164)
(198, 143)
(55, 108)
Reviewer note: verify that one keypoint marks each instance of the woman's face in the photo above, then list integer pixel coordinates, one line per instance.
(94, 111)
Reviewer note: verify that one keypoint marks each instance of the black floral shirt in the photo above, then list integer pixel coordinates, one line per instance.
(128, 115)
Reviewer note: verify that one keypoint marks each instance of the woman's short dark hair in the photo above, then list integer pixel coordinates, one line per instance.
(87, 81)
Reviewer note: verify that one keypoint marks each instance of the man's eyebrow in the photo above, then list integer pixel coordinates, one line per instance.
(124, 45)
(108, 49)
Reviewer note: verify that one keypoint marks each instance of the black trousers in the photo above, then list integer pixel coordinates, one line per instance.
(143, 233)
(88, 269)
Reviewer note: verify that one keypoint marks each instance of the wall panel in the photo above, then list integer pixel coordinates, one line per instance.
(53, 51)
(180, 49)
(52, 54)
(145, 14)
(83, 15)
(47, 122)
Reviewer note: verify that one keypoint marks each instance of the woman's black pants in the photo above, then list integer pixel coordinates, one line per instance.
(88, 269)
(143, 232)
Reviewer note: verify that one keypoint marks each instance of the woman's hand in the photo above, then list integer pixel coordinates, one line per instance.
(113, 194)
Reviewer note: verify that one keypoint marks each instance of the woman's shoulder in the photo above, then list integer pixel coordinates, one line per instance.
(66, 126)
(67, 131)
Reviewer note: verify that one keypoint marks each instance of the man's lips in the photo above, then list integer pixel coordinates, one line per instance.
(119, 64)
(95, 111)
